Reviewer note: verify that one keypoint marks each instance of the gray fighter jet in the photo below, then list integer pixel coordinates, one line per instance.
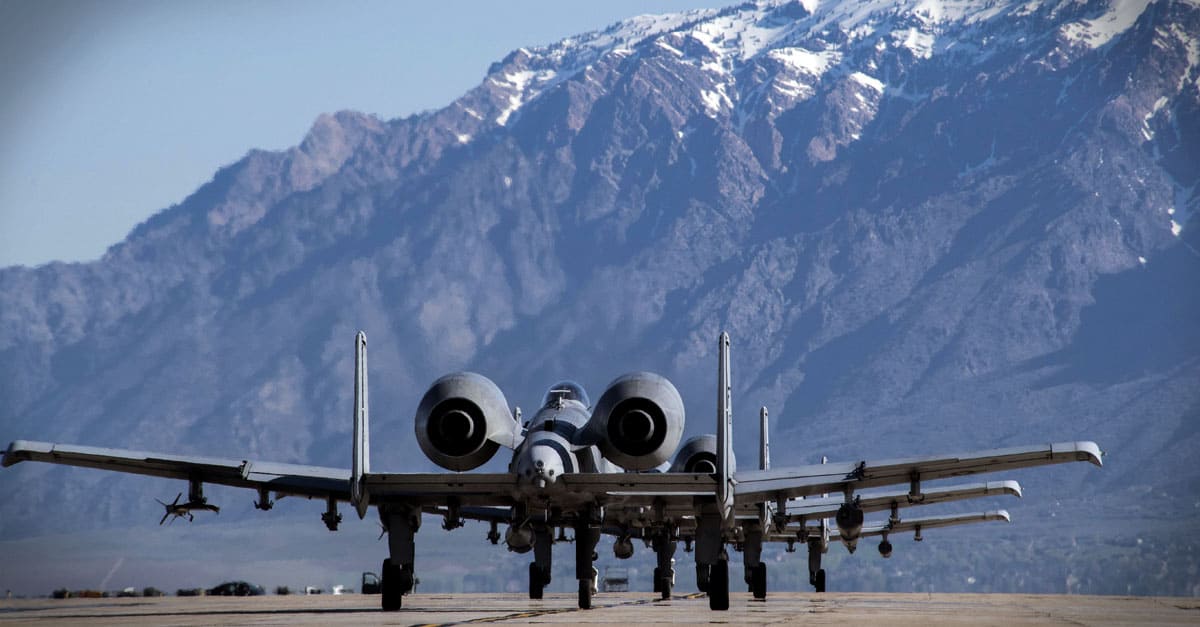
(593, 469)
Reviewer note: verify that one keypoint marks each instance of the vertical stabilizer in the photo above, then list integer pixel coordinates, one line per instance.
(725, 461)
(764, 442)
(361, 460)
(765, 512)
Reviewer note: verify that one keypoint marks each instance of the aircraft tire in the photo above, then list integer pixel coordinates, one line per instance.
(820, 584)
(702, 574)
(718, 586)
(657, 579)
(758, 581)
(391, 594)
(664, 587)
(585, 594)
(536, 581)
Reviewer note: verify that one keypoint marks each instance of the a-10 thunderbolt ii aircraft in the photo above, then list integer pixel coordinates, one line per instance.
(601, 469)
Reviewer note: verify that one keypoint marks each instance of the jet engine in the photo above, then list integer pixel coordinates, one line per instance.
(638, 421)
(462, 420)
(698, 454)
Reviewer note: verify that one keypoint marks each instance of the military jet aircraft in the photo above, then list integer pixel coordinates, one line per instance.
(591, 469)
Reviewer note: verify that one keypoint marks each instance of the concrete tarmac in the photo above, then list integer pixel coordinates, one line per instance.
(893, 610)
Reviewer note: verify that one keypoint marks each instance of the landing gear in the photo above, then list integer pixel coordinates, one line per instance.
(753, 567)
(664, 573)
(718, 586)
(539, 570)
(585, 594)
(391, 588)
(816, 574)
(587, 534)
(663, 583)
(537, 581)
(758, 581)
(399, 574)
(702, 573)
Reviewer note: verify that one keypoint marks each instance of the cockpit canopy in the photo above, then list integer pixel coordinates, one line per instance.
(566, 390)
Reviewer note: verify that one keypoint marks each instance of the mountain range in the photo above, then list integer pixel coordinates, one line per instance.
(928, 225)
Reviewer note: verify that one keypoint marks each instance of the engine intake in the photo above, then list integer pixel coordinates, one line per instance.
(462, 420)
(698, 454)
(638, 421)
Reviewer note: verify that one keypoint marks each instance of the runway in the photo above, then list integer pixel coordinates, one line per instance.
(611, 609)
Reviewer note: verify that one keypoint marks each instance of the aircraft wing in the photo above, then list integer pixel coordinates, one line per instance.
(501, 489)
(929, 522)
(812, 508)
(284, 479)
(767, 485)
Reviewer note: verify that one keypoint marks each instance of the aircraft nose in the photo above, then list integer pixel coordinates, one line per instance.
(542, 466)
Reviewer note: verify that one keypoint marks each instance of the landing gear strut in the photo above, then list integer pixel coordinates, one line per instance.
(539, 570)
(755, 570)
(399, 574)
(816, 574)
(712, 564)
(587, 534)
(718, 585)
(664, 573)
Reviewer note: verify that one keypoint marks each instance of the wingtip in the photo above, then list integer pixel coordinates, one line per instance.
(18, 451)
(1001, 514)
(1008, 487)
(1090, 452)
(1083, 451)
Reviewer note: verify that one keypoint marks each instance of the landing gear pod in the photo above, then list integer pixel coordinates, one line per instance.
(638, 421)
(462, 421)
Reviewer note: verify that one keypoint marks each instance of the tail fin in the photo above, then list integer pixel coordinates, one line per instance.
(725, 462)
(361, 460)
(764, 463)
(764, 443)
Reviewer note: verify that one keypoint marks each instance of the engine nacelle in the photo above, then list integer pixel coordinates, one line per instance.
(462, 420)
(698, 454)
(638, 421)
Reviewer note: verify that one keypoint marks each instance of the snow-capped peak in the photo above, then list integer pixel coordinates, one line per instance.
(808, 37)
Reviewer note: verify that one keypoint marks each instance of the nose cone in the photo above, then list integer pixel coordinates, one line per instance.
(541, 466)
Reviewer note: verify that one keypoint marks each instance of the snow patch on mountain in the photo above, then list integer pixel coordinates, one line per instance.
(1093, 33)
(522, 86)
(812, 63)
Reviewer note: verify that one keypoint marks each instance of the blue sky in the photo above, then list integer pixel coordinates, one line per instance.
(112, 111)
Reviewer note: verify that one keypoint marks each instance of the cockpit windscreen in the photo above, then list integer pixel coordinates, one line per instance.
(566, 390)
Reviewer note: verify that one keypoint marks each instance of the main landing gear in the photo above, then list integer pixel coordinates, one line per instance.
(712, 563)
(399, 574)
(816, 574)
(539, 570)
(754, 568)
(664, 572)
(587, 534)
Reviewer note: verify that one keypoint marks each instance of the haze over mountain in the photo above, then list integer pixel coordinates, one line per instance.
(928, 226)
